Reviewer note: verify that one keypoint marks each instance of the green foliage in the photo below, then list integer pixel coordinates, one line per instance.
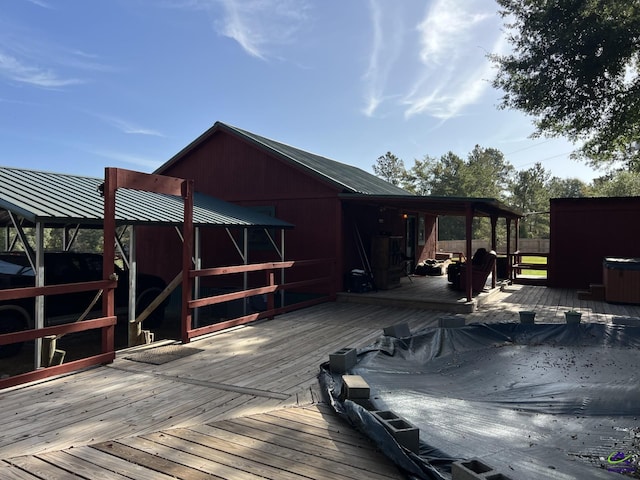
(574, 67)
(390, 168)
(530, 195)
(486, 174)
(87, 240)
(567, 188)
(619, 184)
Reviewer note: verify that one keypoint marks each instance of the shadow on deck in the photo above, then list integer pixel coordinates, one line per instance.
(425, 293)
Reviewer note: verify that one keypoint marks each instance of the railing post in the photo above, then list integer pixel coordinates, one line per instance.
(271, 281)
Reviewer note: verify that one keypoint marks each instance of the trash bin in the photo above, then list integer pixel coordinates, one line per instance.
(621, 278)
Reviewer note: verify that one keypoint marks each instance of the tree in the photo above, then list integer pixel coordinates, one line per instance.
(390, 168)
(530, 194)
(619, 184)
(575, 67)
(567, 188)
(484, 174)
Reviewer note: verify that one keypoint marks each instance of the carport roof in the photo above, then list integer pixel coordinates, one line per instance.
(59, 199)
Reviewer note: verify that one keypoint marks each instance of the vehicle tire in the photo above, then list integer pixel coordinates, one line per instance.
(157, 316)
(10, 322)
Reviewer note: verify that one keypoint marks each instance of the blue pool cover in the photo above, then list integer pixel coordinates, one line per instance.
(542, 401)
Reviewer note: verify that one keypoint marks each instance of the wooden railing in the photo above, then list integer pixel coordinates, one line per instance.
(106, 324)
(269, 289)
(517, 264)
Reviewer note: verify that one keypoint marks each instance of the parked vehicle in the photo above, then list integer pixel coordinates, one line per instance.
(67, 267)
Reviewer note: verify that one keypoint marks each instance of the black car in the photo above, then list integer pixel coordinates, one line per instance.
(67, 267)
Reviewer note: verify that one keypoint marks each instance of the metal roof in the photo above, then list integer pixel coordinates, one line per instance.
(347, 178)
(58, 199)
(453, 206)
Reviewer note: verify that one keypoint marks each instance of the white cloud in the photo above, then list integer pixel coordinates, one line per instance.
(441, 66)
(40, 3)
(18, 71)
(128, 127)
(386, 45)
(448, 26)
(456, 72)
(258, 26)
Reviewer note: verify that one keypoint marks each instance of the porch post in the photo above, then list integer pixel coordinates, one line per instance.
(494, 222)
(508, 221)
(469, 266)
(187, 188)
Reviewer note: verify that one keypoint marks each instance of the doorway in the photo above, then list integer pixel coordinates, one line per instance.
(410, 244)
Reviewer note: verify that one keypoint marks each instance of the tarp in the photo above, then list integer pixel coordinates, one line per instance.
(535, 401)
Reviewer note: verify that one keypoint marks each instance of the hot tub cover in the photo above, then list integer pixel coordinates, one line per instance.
(621, 263)
(543, 401)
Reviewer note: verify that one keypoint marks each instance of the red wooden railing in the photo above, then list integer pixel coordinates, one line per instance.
(105, 324)
(269, 289)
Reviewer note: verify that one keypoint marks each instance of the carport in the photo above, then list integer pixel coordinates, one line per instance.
(39, 200)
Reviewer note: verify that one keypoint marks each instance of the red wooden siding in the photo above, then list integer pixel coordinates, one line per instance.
(586, 230)
(231, 169)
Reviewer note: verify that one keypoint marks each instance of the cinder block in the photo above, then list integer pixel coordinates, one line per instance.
(451, 322)
(342, 360)
(404, 432)
(472, 469)
(400, 330)
(496, 476)
(354, 387)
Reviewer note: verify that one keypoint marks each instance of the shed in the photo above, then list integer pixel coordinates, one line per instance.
(585, 231)
(341, 212)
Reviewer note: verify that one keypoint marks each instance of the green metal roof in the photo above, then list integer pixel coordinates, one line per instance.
(436, 205)
(56, 198)
(345, 177)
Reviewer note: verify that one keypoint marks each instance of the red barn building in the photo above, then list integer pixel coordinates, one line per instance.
(340, 213)
(585, 231)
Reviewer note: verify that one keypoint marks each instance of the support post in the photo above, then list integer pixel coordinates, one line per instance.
(509, 263)
(469, 266)
(494, 243)
(187, 255)
(39, 301)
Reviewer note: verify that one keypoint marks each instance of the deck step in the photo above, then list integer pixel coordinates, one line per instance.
(596, 292)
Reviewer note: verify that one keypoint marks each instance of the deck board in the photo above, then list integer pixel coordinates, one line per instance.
(247, 406)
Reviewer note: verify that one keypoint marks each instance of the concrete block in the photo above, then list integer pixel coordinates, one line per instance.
(451, 322)
(404, 432)
(342, 360)
(472, 469)
(354, 387)
(400, 330)
(496, 476)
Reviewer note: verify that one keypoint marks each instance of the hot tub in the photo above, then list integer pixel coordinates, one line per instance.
(621, 278)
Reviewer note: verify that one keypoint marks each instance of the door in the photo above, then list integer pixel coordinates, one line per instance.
(410, 236)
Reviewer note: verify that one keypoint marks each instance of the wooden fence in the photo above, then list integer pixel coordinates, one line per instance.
(539, 245)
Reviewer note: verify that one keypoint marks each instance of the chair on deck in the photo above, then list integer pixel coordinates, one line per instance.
(483, 262)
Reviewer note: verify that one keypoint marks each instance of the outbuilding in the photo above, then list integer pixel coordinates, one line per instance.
(341, 213)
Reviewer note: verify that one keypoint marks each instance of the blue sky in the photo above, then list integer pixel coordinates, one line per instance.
(86, 85)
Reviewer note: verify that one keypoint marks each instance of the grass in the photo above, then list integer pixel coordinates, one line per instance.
(536, 260)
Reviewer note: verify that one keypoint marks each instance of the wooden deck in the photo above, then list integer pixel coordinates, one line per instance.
(244, 404)
(422, 292)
